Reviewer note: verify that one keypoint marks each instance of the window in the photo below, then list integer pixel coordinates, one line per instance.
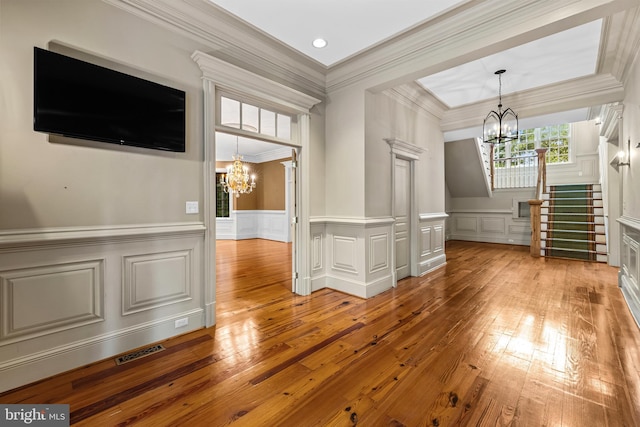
(251, 118)
(556, 139)
(222, 199)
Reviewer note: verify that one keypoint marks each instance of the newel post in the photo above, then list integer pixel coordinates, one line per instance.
(541, 185)
(534, 210)
(535, 206)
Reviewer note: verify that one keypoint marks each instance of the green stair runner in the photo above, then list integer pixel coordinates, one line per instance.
(571, 223)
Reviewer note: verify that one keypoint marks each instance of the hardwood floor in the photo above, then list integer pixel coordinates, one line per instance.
(494, 338)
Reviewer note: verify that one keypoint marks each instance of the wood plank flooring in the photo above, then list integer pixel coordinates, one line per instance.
(494, 338)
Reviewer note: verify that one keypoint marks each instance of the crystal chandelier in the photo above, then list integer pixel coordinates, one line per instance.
(236, 180)
(500, 126)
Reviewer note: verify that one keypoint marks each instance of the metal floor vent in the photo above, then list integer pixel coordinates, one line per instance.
(138, 354)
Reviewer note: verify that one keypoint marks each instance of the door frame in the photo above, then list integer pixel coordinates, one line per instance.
(218, 75)
(410, 152)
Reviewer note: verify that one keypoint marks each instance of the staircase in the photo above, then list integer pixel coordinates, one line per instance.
(572, 223)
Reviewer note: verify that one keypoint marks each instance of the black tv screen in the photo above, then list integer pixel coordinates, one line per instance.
(81, 100)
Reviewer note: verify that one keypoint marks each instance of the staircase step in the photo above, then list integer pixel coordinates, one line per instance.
(572, 223)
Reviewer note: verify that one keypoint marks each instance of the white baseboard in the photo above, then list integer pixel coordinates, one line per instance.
(432, 264)
(24, 370)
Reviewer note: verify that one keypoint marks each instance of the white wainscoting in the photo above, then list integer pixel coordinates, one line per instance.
(355, 256)
(351, 255)
(629, 274)
(73, 296)
(431, 242)
(584, 170)
(492, 226)
(270, 225)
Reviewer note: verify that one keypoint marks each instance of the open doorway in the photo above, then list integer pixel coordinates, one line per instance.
(254, 217)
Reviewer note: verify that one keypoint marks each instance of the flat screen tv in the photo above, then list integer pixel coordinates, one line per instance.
(78, 99)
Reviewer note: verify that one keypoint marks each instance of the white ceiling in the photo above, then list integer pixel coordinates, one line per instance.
(352, 26)
(562, 56)
(349, 26)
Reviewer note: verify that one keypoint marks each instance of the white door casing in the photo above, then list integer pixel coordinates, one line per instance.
(402, 215)
(220, 75)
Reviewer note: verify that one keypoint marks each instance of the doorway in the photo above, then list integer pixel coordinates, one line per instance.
(257, 226)
(402, 214)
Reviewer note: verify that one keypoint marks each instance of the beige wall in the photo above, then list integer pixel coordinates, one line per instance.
(45, 184)
(387, 118)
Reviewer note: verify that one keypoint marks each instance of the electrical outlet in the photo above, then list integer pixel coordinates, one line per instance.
(192, 207)
(182, 322)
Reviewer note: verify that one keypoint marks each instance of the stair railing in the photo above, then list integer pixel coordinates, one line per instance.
(535, 205)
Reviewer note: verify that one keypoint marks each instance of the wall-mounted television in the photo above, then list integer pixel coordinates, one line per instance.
(78, 99)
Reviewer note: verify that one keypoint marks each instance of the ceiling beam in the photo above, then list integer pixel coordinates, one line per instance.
(573, 94)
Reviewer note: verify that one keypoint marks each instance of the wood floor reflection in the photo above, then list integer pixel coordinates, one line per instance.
(494, 338)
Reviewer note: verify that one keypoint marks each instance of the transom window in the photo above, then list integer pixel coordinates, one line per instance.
(556, 139)
(251, 118)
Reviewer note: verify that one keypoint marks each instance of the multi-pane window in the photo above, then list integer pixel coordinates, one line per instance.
(222, 199)
(251, 118)
(555, 138)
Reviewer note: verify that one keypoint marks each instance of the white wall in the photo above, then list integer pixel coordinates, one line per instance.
(629, 177)
(344, 153)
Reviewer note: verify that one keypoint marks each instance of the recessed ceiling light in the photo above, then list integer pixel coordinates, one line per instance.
(319, 43)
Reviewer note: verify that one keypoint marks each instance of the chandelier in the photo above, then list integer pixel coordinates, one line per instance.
(500, 126)
(236, 180)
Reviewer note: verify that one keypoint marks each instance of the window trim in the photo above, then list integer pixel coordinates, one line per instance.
(537, 144)
(292, 115)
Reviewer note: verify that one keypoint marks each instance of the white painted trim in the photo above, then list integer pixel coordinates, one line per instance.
(404, 150)
(352, 221)
(231, 77)
(433, 216)
(432, 264)
(630, 222)
(489, 211)
(36, 237)
(23, 370)
(220, 31)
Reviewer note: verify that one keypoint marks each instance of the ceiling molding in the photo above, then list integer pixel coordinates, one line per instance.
(232, 40)
(627, 49)
(234, 78)
(577, 93)
(417, 98)
(465, 34)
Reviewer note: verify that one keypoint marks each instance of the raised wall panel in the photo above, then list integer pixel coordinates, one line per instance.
(425, 240)
(492, 225)
(466, 223)
(378, 252)
(438, 238)
(154, 280)
(316, 252)
(41, 300)
(344, 254)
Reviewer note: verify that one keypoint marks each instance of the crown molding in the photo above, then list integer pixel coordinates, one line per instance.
(465, 34)
(232, 40)
(629, 45)
(234, 78)
(577, 93)
(417, 98)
